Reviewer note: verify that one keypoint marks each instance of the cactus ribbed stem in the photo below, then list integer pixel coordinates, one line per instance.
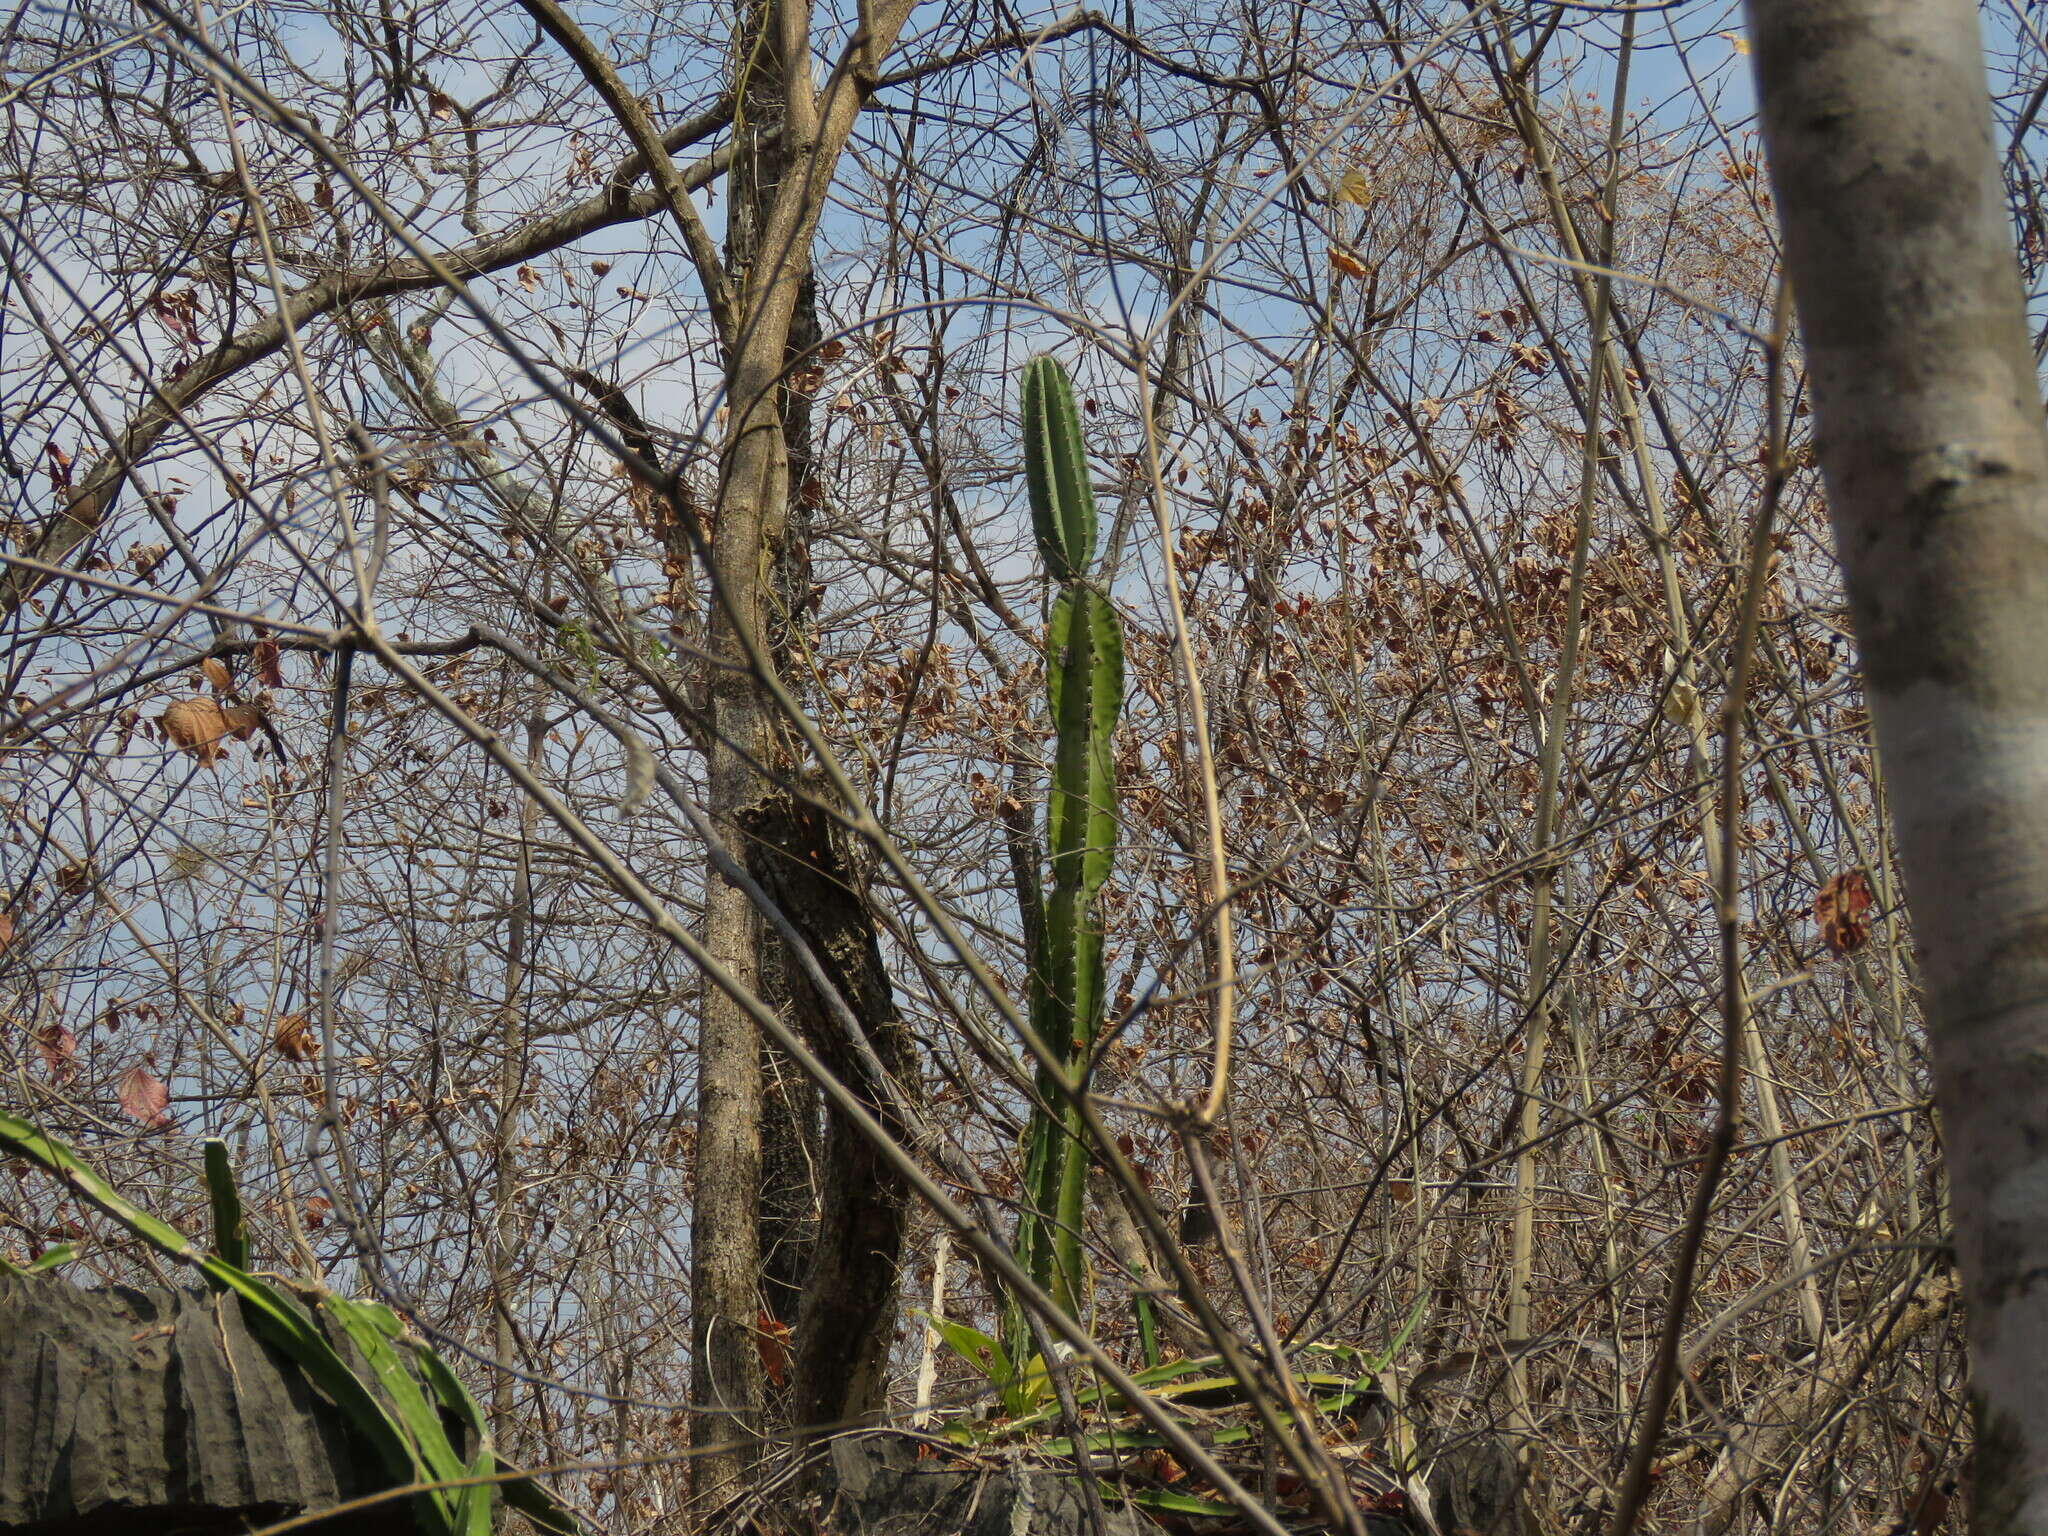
(1084, 667)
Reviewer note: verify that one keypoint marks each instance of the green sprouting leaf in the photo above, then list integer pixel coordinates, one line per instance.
(978, 1349)
(48, 1259)
(230, 1226)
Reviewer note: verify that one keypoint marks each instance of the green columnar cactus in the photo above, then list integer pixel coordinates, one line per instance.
(1084, 670)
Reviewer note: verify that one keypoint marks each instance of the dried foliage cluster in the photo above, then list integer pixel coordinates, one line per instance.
(1460, 525)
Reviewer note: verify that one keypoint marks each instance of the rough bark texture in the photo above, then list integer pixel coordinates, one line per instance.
(753, 504)
(782, 184)
(848, 1310)
(1929, 430)
(141, 1412)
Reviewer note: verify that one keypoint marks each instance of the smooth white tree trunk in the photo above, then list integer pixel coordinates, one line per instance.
(1929, 429)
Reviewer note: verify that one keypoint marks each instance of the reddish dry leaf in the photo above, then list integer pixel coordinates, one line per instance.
(294, 1036)
(215, 671)
(74, 878)
(59, 1049)
(317, 1209)
(144, 1098)
(6, 929)
(60, 467)
(1839, 909)
(196, 725)
(528, 279)
(773, 1339)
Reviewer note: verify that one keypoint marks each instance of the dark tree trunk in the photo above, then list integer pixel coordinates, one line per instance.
(848, 1310)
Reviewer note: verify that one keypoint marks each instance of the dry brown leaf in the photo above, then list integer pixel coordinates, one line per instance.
(1839, 910)
(1348, 264)
(773, 1337)
(215, 671)
(265, 657)
(59, 1049)
(6, 929)
(528, 279)
(295, 1038)
(144, 1098)
(196, 726)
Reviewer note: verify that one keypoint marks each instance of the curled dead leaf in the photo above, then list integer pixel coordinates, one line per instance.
(59, 1049)
(196, 726)
(1343, 261)
(295, 1038)
(1839, 909)
(265, 658)
(215, 671)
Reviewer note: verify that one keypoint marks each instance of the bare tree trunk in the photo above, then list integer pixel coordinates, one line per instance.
(753, 501)
(1929, 429)
(848, 1309)
(784, 160)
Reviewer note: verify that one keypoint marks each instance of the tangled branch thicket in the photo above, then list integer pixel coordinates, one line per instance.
(1457, 382)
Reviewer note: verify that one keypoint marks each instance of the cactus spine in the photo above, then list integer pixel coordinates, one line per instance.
(1084, 673)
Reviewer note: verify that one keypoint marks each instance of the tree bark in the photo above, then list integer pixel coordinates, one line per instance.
(848, 1308)
(753, 501)
(783, 160)
(1930, 436)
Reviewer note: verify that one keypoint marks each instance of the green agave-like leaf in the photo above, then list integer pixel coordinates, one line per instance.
(1056, 475)
(1166, 1502)
(419, 1450)
(472, 1512)
(273, 1315)
(547, 1512)
(50, 1258)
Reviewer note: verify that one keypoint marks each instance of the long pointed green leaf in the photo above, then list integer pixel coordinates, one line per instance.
(270, 1313)
(418, 1451)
